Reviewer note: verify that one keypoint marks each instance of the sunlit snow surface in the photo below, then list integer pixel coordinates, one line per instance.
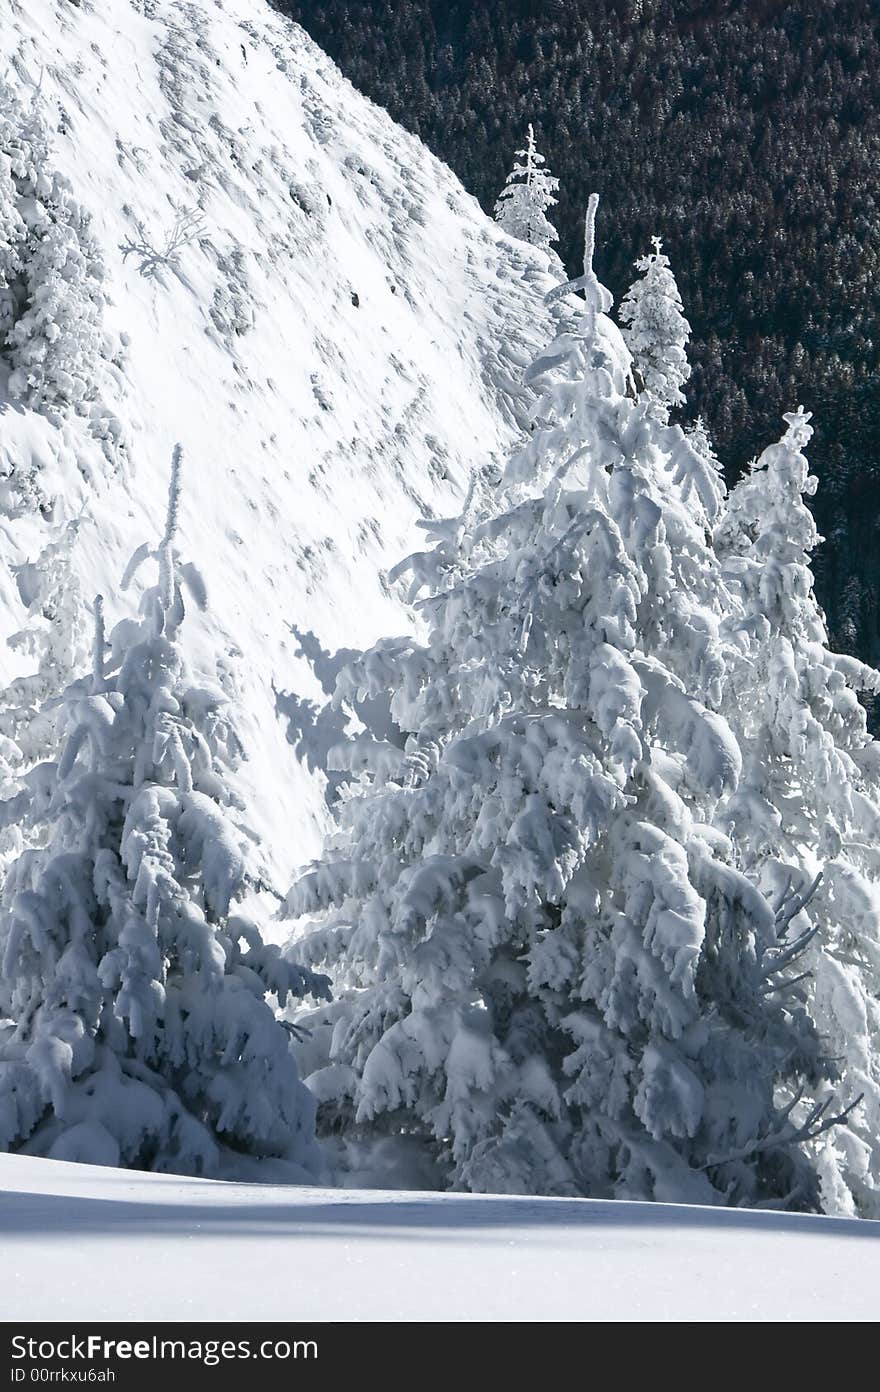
(336, 349)
(80, 1242)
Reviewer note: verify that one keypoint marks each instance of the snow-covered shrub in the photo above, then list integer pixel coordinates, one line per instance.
(154, 258)
(527, 197)
(554, 974)
(657, 332)
(139, 1030)
(309, 199)
(232, 306)
(809, 796)
(52, 295)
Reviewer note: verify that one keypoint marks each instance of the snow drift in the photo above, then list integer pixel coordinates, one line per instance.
(261, 1252)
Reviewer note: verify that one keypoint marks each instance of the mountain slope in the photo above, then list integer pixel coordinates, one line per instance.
(312, 306)
(746, 133)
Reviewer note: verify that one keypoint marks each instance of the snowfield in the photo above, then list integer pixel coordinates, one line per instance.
(188, 1249)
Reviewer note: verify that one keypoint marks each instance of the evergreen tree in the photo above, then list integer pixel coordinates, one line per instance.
(656, 333)
(700, 441)
(526, 198)
(55, 637)
(12, 228)
(52, 297)
(135, 993)
(555, 977)
(809, 797)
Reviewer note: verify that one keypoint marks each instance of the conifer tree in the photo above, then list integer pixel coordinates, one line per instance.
(527, 197)
(55, 638)
(809, 797)
(556, 979)
(12, 228)
(657, 332)
(134, 989)
(61, 358)
(700, 441)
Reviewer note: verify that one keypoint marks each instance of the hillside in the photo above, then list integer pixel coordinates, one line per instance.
(312, 306)
(745, 135)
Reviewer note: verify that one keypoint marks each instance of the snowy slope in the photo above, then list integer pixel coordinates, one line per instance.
(335, 345)
(196, 1249)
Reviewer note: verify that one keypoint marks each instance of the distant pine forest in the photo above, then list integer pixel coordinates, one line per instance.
(747, 136)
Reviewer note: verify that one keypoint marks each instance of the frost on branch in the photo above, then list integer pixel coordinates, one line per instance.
(555, 980)
(137, 994)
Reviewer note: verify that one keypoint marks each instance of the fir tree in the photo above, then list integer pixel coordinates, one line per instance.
(12, 228)
(699, 439)
(528, 195)
(55, 637)
(52, 296)
(139, 1030)
(809, 797)
(555, 977)
(657, 333)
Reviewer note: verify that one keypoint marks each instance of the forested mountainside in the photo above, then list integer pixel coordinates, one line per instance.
(745, 133)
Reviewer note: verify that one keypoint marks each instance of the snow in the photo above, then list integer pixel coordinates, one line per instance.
(312, 305)
(335, 340)
(198, 1249)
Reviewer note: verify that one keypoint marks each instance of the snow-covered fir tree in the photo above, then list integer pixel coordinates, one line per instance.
(527, 197)
(700, 441)
(657, 333)
(12, 228)
(554, 976)
(137, 996)
(52, 296)
(55, 640)
(809, 796)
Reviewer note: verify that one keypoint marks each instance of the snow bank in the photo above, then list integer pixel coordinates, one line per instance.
(195, 1249)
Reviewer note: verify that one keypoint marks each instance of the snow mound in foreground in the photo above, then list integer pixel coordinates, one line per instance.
(186, 1249)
